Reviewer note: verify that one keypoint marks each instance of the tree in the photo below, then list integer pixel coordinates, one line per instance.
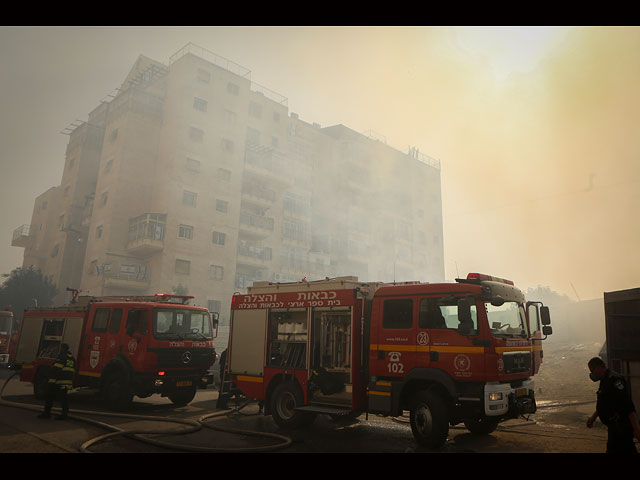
(26, 287)
(180, 289)
(547, 296)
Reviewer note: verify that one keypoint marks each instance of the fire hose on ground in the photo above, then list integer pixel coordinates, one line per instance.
(191, 427)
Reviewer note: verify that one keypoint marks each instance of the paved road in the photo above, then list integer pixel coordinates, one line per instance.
(559, 429)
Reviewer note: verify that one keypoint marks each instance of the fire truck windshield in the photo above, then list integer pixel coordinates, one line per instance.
(507, 320)
(5, 324)
(181, 324)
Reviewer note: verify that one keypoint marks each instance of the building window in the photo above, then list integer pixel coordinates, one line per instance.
(196, 134)
(99, 229)
(113, 135)
(255, 110)
(253, 136)
(204, 76)
(185, 231)
(227, 145)
(229, 118)
(222, 206)
(214, 306)
(66, 190)
(108, 166)
(104, 198)
(276, 117)
(193, 165)
(233, 88)
(71, 162)
(200, 104)
(218, 238)
(189, 198)
(224, 174)
(216, 272)
(183, 266)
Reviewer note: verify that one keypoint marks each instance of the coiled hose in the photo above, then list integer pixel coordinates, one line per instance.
(191, 427)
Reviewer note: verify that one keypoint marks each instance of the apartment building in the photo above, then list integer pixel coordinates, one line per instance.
(193, 178)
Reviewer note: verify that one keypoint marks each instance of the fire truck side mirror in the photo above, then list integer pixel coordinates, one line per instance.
(545, 316)
(546, 330)
(464, 311)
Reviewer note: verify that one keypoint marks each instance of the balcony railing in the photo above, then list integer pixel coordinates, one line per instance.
(146, 233)
(21, 236)
(256, 221)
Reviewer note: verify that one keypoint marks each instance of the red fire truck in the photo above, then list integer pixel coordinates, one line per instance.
(448, 353)
(8, 337)
(124, 346)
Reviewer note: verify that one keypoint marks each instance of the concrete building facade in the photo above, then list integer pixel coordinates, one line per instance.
(195, 179)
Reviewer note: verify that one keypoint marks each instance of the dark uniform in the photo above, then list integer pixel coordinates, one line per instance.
(60, 382)
(613, 407)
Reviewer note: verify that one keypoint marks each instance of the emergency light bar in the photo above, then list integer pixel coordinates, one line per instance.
(484, 277)
(168, 297)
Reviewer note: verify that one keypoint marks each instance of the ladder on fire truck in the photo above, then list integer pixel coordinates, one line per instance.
(226, 389)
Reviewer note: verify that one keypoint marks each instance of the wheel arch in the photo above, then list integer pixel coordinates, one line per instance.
(117, 363)
(426, 379)
(273, 384)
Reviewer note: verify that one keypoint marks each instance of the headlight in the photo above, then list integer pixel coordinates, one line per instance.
(494, 397)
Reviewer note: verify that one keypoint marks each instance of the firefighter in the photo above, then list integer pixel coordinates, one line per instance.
(615, 408)
(60, 382)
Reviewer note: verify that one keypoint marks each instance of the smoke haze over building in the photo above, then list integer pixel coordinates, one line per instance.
(535, 129)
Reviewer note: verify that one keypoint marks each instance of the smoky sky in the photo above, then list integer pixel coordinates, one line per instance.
(540, 166)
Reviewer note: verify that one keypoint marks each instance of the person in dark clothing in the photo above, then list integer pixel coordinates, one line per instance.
(60, 382)
(615, 408)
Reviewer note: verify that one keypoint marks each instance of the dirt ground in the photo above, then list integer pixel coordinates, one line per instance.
(564, 376)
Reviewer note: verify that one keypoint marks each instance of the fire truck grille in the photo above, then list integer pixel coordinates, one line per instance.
(517, 362)
(184, 357)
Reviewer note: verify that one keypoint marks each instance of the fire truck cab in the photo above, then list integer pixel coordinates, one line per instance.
(448, 353)
(124, 346)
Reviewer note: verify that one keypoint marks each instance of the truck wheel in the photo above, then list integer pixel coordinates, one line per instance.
(40, 384)
(115, 391)
(429, 419)
(182, 397)
(286, 397)
(482, 426)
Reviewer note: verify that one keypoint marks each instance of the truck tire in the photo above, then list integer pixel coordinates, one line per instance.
(116, 391)
(429, 419)
(482, 426)
(285, 398)
(181, 398)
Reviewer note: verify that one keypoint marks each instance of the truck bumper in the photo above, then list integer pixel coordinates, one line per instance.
(503, 400)
(167, 384)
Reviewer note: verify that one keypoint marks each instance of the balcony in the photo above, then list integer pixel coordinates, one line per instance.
(125, 281)
(124, 276)
(268, 165)
(21, 236)
(254, 254)
(258, 194)
(146, 234)
(256, 225)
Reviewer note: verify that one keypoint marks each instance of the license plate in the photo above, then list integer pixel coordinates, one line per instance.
(521, 392)
(183, 383)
